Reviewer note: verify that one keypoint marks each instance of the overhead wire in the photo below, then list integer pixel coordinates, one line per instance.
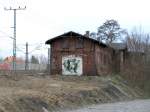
(39, 46)
(20, 48)
(6, 35)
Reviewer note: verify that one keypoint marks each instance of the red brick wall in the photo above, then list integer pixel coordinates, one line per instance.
(103, 57)
(91, 53)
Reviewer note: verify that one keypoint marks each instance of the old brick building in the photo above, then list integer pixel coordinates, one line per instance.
(76, 54)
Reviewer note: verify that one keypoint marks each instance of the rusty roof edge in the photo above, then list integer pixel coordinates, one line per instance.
(60, 36)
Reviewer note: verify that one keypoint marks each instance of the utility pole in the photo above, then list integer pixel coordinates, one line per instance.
(27, 59)
(49, 61)
(14, 38)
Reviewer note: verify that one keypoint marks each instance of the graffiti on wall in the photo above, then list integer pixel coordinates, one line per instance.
(71, 65)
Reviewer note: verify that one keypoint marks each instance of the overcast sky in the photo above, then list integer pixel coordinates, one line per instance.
(44, 19)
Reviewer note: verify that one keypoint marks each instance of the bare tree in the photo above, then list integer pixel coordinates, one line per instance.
(138, 41)
(34, 60)
(93, 35)
(109, 31)
(43, 59)
(137, 65)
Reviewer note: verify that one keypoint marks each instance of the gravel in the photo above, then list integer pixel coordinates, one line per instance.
(130, 106)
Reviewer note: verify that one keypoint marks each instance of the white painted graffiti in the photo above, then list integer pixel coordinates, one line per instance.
(71, 65)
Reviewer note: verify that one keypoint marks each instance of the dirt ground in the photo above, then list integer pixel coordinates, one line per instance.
(25, 93)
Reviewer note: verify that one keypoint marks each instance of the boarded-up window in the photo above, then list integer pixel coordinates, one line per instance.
(65, 43)
(79, 43)
(105, 60)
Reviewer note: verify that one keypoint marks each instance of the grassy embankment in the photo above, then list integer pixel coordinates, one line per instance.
(45, 94)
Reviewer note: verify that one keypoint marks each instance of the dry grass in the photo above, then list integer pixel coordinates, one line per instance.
(31, 94)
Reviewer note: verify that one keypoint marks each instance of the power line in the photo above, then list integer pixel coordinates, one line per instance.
(37, 47)
(6, 35)
(18, 49)
(14, 38)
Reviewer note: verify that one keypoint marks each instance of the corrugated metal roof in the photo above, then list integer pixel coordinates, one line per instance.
(118, 46)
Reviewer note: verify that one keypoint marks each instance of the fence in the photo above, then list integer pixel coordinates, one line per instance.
(21, 66)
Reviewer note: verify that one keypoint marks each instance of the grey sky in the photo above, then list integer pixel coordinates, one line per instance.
(44, 19)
